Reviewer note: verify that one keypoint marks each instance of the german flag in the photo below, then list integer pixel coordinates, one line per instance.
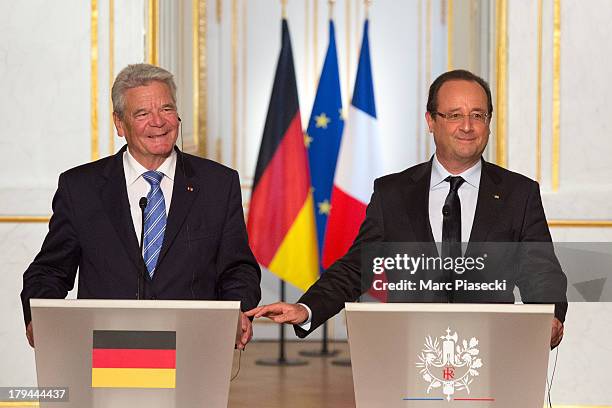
(133, 359)
(281, 224)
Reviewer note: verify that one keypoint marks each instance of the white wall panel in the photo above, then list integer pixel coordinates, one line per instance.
(45, 76)
(45, 81)
(584, 191)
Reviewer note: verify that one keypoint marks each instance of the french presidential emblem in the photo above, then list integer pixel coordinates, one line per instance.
(448, 365)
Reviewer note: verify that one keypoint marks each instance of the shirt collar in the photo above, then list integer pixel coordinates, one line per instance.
(133, 169)
(439, 174)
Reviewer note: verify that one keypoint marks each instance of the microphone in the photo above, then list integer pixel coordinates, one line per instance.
(142, 203)
(446, 210)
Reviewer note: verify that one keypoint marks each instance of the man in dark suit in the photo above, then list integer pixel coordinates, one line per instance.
(455, 197)
(194, 242)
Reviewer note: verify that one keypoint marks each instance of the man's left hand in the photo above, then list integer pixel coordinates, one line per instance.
(244, 332)
(556, 334)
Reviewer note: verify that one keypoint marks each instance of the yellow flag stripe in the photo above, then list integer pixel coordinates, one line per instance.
(296, 261)
(133, 378)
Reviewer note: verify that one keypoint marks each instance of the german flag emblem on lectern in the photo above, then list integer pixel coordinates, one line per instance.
(133, 359)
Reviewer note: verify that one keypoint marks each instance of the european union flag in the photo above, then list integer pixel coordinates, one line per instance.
(323, 136)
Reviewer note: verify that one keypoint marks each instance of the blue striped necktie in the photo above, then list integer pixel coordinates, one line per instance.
(155, 221)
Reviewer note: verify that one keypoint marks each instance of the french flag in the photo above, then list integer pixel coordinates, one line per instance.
(359, 163)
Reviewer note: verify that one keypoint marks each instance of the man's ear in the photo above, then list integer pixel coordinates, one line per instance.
(119, 125)
(429, 120)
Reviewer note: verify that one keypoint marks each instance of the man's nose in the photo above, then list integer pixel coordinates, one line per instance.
(157, 120)
(466, 124)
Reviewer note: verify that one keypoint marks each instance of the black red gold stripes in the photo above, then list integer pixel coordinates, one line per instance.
(281, 228)
(133, 359)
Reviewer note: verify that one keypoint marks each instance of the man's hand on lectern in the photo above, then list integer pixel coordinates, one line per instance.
(281, 312)
(244, 332)
(556, 334)
(30, 334)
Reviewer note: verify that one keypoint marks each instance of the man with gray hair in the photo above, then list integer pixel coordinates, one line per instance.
(149, 222)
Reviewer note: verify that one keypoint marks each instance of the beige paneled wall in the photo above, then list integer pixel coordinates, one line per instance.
(558, 133)
(408, 49)
(56, 65)
(56, 105)
(45, 105)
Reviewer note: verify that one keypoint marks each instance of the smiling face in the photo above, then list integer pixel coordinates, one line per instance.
(149, 123)
(459, 145)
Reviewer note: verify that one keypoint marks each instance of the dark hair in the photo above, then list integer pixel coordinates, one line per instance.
(456, 75)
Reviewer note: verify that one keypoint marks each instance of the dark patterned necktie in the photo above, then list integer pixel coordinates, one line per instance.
(451, 226)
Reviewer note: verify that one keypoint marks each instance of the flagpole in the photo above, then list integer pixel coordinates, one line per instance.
(324, 352)
(367, 3)
(282, 359)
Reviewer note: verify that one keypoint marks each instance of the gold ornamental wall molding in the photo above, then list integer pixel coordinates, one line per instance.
(93, 56)
(153, 32)
(556, 108)
(200, 75)
(111, 73)
(501, 81)
(449, 35)
(22, 219)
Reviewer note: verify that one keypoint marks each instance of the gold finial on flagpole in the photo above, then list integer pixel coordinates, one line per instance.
(331, 8)
(284, 8)
(367, 3)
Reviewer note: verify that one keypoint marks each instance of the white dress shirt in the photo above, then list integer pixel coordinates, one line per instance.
(468, 195)
(138, 187)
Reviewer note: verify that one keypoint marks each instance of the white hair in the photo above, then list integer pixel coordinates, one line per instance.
(135, 75)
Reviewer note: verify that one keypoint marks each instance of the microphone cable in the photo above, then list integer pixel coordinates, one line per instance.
(237, 371)
(182, 159)
(552, 377)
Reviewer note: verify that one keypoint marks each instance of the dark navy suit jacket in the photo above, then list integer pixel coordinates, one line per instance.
(205, 253)
(509, 210)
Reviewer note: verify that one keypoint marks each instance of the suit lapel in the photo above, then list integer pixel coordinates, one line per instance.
(184, 192)
(417, 197)
(490, 200)
(115, 201)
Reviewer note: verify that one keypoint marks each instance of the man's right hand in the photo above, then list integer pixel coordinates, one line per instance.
(281, 312)
(30, 334)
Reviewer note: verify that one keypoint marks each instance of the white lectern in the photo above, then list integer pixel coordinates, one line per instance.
(449, 355)
(135, 353)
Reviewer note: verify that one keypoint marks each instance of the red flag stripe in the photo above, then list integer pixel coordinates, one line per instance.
(133, 358)
(279, 195)
(342, 226)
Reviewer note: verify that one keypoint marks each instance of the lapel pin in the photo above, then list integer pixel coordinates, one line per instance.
(190, 189)
(496, 196)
